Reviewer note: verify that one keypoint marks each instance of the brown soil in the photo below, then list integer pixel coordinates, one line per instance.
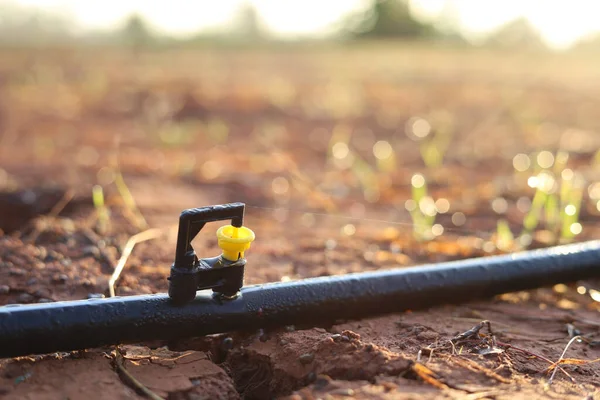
(199, 128)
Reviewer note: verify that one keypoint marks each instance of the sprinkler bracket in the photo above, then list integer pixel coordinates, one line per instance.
(189, 273)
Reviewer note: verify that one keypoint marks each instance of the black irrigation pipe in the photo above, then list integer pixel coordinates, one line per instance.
(64, 326)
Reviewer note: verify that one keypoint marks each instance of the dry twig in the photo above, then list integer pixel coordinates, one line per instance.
(130, 379)
(135, 239)
(574, 338)
(52, 215)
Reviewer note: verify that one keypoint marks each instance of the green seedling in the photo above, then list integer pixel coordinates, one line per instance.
(341, 155)
(571, 198)
(433, 141)
(102, 212)
(422, 209)
(552, 212)
(504, 237)
(367, 177)
(339, 142)
(554, 205)
(533, 216)
(172, 134)
(559, 208)
(217, 130)
(131, 208)
(385, 156)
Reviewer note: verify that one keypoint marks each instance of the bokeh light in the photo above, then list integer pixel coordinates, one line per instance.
(521, 162)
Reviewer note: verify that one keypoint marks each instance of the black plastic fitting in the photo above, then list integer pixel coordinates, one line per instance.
(188, 273)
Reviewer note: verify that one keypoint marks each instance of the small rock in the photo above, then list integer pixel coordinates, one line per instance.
(17, 271)
(95, 296)
(344, 338)
(91, 251)
(306, 358)
(66, 262)
(23, 377)
(42, 253)
(342, 392)
(45, 301)
(351, 335)
(62, 278)
(31, 281)
(262, 335)
(87, 283)
(283, 342)
(24, 298)
(53, 255)
(369, 347)
(322, 382)
(337, 337)
(227, 344)
(290, 328)
(4, 289)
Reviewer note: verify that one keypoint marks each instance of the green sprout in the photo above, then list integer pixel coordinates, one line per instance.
(217, 130)
(505, 239)
(571, 197)
(556, 201)
(177, 134)
(434, 139)
(130, 205)
(102, 213)
(533, 216)
(367, 177)
(342, 156)
(385, 156)
(422, 210)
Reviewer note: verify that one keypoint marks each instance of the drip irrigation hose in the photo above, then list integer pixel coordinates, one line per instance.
(73, 325)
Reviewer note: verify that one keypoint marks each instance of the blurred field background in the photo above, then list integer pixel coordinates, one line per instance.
(391, 135)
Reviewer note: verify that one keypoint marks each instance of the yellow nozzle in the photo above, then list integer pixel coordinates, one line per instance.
(234, 241)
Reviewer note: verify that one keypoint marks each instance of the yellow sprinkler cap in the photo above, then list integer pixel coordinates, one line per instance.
(234, 241)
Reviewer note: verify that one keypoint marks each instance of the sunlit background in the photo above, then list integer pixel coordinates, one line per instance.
(560, 23)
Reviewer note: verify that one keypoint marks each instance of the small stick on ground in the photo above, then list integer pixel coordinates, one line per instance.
(428, 376)
(509, 346)
(475, 367)
(62, 203)
(57, 209)
(125, 376)
(556, 365)
(130, 380)
(474, 331)
(132, 212)
(135, 239)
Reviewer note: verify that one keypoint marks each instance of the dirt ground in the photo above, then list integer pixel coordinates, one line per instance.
(315, 142)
